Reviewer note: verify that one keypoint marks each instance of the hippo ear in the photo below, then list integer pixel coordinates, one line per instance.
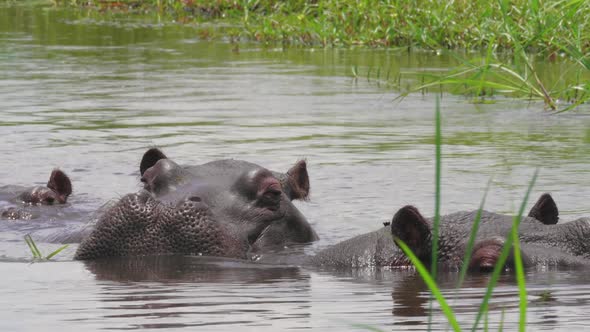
(150, 158)
(298, 181)
(545, 210)
(409, 226)
(60, 183)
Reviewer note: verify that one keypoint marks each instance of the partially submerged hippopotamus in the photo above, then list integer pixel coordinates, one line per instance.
(57, 191)
(222, 208)
(231, 208)
(543, 241)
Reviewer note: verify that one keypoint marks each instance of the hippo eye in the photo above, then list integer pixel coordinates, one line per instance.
(49, 200)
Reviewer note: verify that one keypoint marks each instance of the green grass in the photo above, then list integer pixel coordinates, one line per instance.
(511, 37)
(431, 283)
(425, 23)
(511, 246)
(472, 235)
(437, 176)
(37, 256)
(517, 75)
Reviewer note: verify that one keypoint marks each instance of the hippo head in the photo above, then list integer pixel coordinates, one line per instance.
(413, 229)
(221, 208)
(58, 188)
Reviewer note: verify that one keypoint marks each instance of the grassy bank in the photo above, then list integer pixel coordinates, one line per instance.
(540, 26)
(508, 37)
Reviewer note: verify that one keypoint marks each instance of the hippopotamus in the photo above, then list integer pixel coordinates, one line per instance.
(543, 242)
(233, 208)
(57, 191)
(227, 208)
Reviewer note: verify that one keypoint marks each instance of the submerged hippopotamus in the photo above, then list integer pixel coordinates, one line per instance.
(232, 208)
(543, 241)
(223, 208)
(57, 191)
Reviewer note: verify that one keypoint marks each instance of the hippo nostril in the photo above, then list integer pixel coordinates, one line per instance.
(486, 268)
(194, 199)
(143, 179)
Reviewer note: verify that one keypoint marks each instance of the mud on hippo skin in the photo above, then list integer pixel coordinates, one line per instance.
(57, 191)
(543, 241)
(222, 208)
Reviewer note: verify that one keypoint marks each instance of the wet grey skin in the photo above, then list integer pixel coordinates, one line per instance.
(227, 208)
(57, 191)
(544, 243)
(232, 208)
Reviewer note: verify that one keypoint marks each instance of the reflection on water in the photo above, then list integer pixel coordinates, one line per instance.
(200, 291)
(188, 269)
(90, 96)
(224, 295)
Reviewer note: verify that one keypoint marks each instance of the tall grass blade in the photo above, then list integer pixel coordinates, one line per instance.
(429, 281)
(504, 256)
(520, 54)
(488, 61)
(436, 222)
(471, 241)
(355, 72)
(518, 266)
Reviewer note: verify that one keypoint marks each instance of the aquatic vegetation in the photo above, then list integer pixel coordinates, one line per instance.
(37, 256)
(484, 78)
(511, 246)
(517, 75)
(513, 36)
(426, 23)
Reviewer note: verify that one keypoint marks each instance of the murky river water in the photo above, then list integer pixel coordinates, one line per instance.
(90, 96)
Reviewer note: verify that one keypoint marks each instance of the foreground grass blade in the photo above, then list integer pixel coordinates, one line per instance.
(502, 260)
(471, 242)
(519, 277)
(436, 221)
(429, 281)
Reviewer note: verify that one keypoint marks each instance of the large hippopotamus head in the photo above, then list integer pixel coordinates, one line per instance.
(221, 208)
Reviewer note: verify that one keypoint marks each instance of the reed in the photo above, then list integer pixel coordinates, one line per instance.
(511, 246)
(517, 75)
(424, 23)
(37, 256)
(511, 35)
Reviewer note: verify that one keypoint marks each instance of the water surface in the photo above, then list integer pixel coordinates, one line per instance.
(89, 96)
